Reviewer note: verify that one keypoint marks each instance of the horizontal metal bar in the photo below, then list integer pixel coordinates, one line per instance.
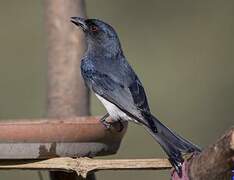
(45, 138)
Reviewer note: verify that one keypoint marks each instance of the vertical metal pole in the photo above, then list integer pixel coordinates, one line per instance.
(67, 96)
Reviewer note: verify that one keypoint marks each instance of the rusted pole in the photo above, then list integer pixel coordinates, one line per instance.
(67, 95)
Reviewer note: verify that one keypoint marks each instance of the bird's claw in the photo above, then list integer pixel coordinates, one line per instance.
(108, 125)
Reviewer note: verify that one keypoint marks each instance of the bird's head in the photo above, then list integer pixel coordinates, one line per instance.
(98, 33)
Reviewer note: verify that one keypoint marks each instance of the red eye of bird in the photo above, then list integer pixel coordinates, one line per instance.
(94, 28)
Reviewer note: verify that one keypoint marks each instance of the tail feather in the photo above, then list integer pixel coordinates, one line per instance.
(182, 144)
(173, 144)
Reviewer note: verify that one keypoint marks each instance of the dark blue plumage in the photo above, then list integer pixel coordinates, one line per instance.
(107, 72)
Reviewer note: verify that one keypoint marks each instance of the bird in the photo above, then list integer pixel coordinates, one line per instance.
(108, 74)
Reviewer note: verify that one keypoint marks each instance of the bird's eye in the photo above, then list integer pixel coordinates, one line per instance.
(94, 28)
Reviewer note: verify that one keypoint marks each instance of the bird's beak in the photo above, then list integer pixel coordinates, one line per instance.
(79, 21)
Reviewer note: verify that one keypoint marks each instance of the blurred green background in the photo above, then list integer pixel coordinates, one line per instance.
(183, 51)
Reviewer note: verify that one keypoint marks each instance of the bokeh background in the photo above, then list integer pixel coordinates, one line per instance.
(183, 51)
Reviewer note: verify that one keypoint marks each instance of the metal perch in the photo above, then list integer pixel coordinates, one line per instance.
(214, 163)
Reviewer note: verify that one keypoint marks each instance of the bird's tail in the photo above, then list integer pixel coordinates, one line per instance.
(173, 144)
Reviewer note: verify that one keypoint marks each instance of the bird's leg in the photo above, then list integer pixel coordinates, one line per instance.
(105, 122)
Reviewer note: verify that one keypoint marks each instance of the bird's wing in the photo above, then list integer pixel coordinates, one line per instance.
(130, 98)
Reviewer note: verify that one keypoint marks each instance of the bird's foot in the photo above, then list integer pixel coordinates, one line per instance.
(118, 125)
(106, 123)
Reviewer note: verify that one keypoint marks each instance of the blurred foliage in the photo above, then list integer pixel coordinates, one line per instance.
(181, 50)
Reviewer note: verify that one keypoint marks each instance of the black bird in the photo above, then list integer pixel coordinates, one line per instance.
(106, 71)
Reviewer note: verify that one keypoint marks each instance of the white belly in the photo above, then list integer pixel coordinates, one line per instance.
(113, 110)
